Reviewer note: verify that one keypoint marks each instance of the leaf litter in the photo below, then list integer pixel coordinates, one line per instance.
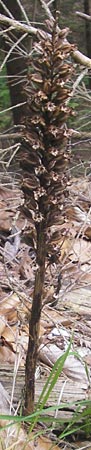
(66, 312)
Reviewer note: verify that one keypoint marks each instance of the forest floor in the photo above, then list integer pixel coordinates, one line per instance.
(62, 318)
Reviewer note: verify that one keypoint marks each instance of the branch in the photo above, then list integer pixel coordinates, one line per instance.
(12, 107)
(77, 56)
(11, 136)
(47, 10)
(80, 58)
(77, 82)
(23, 12)
(18, 25)
(74, 134)
(80, 134)
(83, 16)
(11, 50)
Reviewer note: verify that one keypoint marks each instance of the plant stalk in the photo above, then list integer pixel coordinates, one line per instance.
(34, 320)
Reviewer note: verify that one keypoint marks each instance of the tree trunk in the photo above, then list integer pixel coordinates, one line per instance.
(15, 65)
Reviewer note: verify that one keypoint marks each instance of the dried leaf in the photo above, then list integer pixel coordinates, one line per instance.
(81, 251)
(73, 368)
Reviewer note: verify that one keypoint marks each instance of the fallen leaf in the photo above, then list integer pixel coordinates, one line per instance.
(81, 251)
(73, 368)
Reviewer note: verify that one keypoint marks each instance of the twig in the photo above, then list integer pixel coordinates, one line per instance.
(78, 56)
(6, 150)
(83, 15)
(47, 10)
(18, 25)
(77, 82)
(11, 41)
(50, 2)
(12, 107)
(11, 50)
(3, 32)
(13, 155)
(23, 11)
(6, 9)
(33, 20)
(10, 136)
(75, 134)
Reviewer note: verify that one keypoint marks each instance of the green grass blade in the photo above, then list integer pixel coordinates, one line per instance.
(53, 377)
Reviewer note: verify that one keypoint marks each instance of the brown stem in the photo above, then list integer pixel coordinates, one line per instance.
(34, 321)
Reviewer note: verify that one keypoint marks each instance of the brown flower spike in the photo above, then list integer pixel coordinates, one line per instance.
(44, 160)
